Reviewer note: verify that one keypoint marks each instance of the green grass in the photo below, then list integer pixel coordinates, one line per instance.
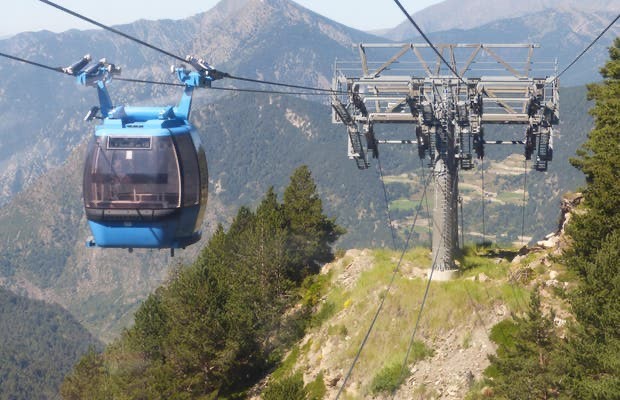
(466, 343)
(449, 305)
(286, 367)
(419, 256)
(316, 389)
(472, 266)
(326, 311)
(510, 197)
(306, 347)
(404, 204)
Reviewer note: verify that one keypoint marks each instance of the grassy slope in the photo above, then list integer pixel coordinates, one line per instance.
(455, 323)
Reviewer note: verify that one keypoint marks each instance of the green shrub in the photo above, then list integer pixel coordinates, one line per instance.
(286, 367)
(316, 389)
(387, 379)
(327, 310)
(287, 388)
(503, 333)
(419, 351)
(340, 330)
(313, 288)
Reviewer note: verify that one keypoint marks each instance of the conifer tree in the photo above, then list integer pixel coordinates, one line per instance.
(593, 348)
(312, 232)
(527, 368)
(599, 160)
(271, 233)
(86, 380)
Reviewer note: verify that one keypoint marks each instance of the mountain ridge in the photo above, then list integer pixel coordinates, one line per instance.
(224, 43)
(468, 14)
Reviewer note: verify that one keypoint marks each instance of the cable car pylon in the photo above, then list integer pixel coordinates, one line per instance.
(448, 110)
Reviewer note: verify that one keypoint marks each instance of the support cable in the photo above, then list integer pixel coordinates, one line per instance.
(376, 316)
(417, 323)
(148, 82)
(387, 202)
(462, 223)
(484, 234)
(428, 41)
(152, 82)
(473, 305)
(239, 78)
(167, 53)
(587, 48)
(55, 69)
(524, 202)
(222, 88)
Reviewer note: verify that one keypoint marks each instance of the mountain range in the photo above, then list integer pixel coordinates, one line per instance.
(470, 14)
(253, 141)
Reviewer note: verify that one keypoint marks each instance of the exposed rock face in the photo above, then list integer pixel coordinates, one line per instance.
(557, 239)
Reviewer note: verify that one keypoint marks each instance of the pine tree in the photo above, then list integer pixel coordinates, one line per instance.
(86, 381)
(312, 232)
(527, 367)
(593, 349)
(270, 235)
(599, 160)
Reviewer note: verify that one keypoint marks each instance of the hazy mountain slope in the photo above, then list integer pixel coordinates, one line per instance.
(563, 28)
(253, 141)
(39, 343)
(274, 39)
(468, 14)
(562, 35)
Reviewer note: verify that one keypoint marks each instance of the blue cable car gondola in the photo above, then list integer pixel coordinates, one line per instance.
(145, 175)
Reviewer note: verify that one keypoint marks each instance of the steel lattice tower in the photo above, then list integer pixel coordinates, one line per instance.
(448, 112)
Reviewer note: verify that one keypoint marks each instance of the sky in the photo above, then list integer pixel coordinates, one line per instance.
(33, 15)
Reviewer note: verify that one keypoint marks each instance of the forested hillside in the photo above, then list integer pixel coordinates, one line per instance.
(250, 148)
(39, 344)
(225, 320)
(583, 363)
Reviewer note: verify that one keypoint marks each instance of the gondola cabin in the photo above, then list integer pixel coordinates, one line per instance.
(145, 182)
(145, 174)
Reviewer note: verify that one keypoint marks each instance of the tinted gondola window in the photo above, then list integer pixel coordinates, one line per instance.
(123, 173)
(189, 170)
